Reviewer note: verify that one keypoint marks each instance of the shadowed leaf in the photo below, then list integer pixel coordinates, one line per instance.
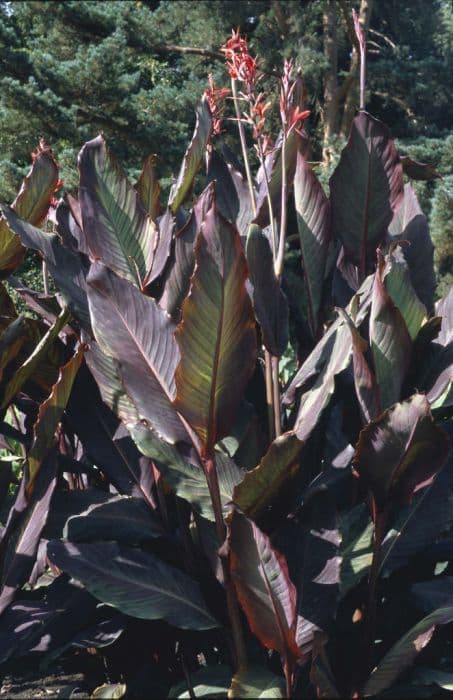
(400, 450)
(123, 519)
(260, 485)
(410, 224)
(66, 267)
(403, 653)
(178, 279)
(136, 582)
(31, 363)
(256, 682)
(269, 301)
(390, 341)
(313, 222)
(49, 415)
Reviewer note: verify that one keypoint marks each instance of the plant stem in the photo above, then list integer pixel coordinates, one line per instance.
(45, 278)
(283, 215)
(379, 532)
(243, 145)
(269, 199)
(267, 357)
(232, 603)
(269, 394)
(276, 396)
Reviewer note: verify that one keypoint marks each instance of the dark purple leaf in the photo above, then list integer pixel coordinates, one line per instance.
(400, 451)
(267, 596)
(313, 222)
(66, 267)
(123, 519)
(136, 582)
(217, 334)
(193, 157)
(115, 454)
(415, 170)
(269, 301)
(139, 336)
(117, 229)
(404, 652)
(22, 533)
(178, 279)
(390, 342)
(410, 224)
(232, 192)
(365, 189)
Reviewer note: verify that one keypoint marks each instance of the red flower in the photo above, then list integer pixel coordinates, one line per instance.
(241, 65)
(215, 97)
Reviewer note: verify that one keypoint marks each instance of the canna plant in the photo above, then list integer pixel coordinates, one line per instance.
(228, 531)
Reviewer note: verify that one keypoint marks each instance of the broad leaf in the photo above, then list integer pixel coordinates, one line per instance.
(66, 267)
(232, 192)
(399, 451)
(398, 284)
(330, 357)
(295, 143)
(210, 681)
(260, 485)
(421, 523)
(436, 373)
(40, 625)
(183, 476)
(166, 227)
(49, 415)
(217, 336)
(104, 443)
(116, 227)
(317, 568)
(178, 279)
(263, 586)
(31, 204)
(148, 188)
(269, 301)
(365, 189)
(106, 374)
(122, 519)
(193, 157)
(404, 652)
(11, 341)
(30, 365)
(356, 528)
(415, 170)
(390, 342)
(20, 538)
(437, 593)
(139, 336)
(136, 582)
(256, 682)
(410, 224)
(313, 222)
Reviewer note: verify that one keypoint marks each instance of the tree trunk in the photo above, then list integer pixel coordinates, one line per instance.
(330, 113)
(352, 97)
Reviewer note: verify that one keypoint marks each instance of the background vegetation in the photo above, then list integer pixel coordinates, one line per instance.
(134, 69)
